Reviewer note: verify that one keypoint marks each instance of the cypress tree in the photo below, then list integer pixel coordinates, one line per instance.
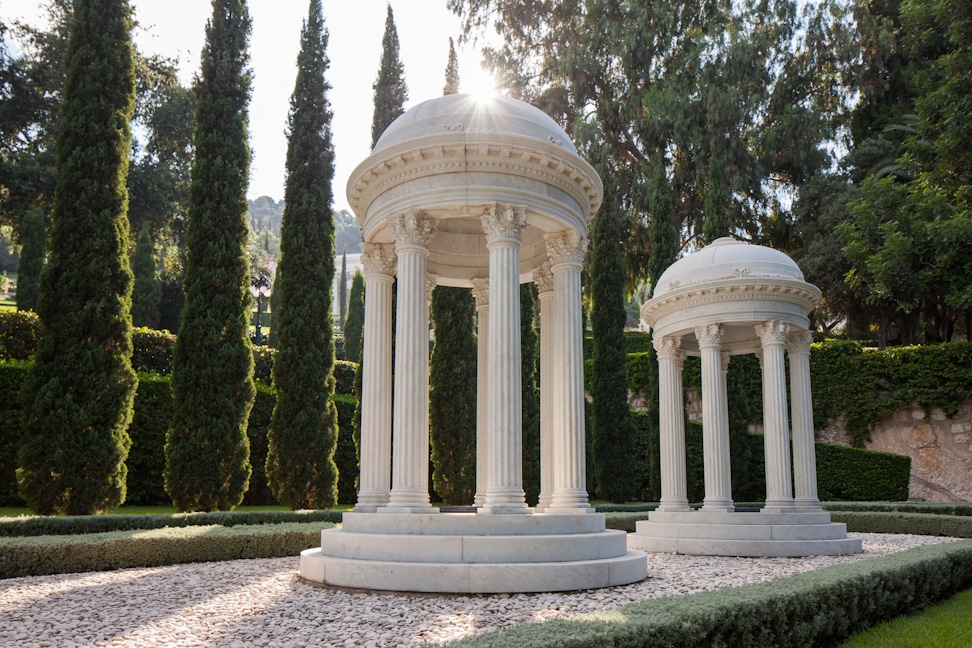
(613, 426)
(303, 431)
(390, 90)
(354, 325)
(452, 71)
(452, 395)
(273, 305)
(343, 290)
(717, 221)
(530, 394)
(77, 401)
(207, 453)
(33, 251)
(147, 293)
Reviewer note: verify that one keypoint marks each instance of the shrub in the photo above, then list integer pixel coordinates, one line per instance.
(345, 374)
(20, 331)
(851, 474)
(952, 526)
(152, 351)
(960, 508)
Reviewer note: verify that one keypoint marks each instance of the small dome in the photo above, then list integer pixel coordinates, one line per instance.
(727, 258)
(467, 113)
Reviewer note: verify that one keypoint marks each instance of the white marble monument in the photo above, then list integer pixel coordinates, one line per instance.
(726, 299)
(485, 195)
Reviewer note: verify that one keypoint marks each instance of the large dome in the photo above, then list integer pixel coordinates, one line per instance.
(727, 258)
(472, 114)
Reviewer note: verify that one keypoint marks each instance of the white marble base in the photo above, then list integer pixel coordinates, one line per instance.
(763, 534)
(473, 552)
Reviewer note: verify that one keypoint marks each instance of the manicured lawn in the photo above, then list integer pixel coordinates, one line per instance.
(8, 305)
(948, 625)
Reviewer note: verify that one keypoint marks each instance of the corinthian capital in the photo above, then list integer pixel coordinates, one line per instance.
(502, 222)
(413, 228)
(378, 259)
(566, 248)
(709, 335)
(772, 333)
(669, 348)
(799, 342)
(430, 282)
(481, 293)
(543, 277)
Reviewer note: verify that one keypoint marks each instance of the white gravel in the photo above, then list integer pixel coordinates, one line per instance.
(263, 603)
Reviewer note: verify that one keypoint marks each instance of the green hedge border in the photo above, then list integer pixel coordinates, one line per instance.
(819, 608)
(952, 526)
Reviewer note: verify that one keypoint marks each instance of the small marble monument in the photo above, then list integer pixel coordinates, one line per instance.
(726, 299)
(486, 195)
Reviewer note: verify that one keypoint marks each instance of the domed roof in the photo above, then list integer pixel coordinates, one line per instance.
(468, 113)
(727, 258)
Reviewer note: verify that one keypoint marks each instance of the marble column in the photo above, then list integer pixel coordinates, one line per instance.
(671, 420)
(566, 252)
(776, 437)
(413, 231)
(804, 457)
(503, 226)
(543, 277)
(715, 422)
(379, 263)
(481, 293)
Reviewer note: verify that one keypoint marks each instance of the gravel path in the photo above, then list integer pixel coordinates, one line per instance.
(262, 603)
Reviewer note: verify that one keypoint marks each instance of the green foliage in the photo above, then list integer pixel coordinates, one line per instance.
(647, 457)
(391, 92)
(452, 395)
(821, 607)
(169, 546)
(951, 526)
(860, 475)
(19, 334)
(946, 624)
(147, 291)
(354, 325)
(529, 395)
(11, 378)
(78, 400)
(935, 508)
(152, 351)
(452, 71)
(744, 487)
(304, 430)
(343, 291)
(259, 492)
(614, 430)
(346, 456)
(152, 412)
(33, 253)
(207, 453)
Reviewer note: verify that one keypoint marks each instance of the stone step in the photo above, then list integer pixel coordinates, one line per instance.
(745, 548)
(832, 531)
(452, 524)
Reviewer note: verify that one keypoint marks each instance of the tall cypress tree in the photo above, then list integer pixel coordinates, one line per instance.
(33, 251)
(452, 71)
(207, 453)
(343, 289)
(390, 90)
(354, 325)
(78, 396)
(303, 431)
(530, 394)
(613, 427)
(147, 293)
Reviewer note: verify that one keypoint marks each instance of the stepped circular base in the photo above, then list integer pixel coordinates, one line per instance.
(473, 553)
(751, 535)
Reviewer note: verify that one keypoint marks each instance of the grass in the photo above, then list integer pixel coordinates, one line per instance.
(8, 305)
(948, 625)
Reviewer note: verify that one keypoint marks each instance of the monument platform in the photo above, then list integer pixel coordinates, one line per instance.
(473, 553)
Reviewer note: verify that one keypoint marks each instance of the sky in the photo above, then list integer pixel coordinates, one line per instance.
(176, 28)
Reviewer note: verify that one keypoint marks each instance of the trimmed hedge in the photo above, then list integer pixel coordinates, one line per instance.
(951, 526)
(19, 334)
(44, 525)
(40, 555)
(901, 507)
(818, 608)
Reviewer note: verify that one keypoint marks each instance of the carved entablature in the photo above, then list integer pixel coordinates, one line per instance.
(709, 335)
(504, 222)
(566, 248)
(772, 333)
(412, 229)
(543, 277)
(378, 260)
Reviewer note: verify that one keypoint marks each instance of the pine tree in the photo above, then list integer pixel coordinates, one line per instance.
(303, 431)
(390, 90)
(343, 290)
(33, 251)
(530, 394)
(354, 325)
(207, 453)
(78, 397)
(451, 72)
(452, 395)
(147, 294)
(614, 428)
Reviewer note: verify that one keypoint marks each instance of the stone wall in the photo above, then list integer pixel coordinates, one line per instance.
(940, 447)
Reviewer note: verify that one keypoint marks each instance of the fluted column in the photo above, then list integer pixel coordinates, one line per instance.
(566, 252)
(715, 421)
(481, 293)
(543, 277)
(804, 457)
(671, 420)
(379, 263)
(776, 437)
(410, 464)
(503, 226)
